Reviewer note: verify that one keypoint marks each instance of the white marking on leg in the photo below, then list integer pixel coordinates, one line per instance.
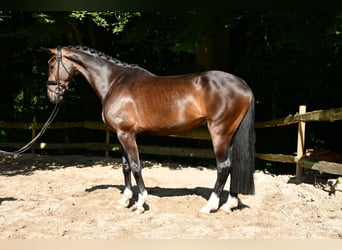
(231, 203)
(139, 206)
(211, 205)
(124, 201)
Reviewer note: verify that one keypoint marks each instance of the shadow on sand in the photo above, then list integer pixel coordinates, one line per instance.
(169, 192)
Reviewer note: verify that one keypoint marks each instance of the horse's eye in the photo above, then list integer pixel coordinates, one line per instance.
(51, 66)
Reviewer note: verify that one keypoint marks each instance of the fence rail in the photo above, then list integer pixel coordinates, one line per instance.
(202, 133)
(301, 118)
(330, 115)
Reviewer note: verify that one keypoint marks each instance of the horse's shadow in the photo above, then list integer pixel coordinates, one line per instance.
(170, 192)
(7, 199)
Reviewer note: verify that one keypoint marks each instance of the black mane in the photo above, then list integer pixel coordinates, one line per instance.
(93, 52)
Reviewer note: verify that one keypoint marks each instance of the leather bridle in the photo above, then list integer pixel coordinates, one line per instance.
(57, 82)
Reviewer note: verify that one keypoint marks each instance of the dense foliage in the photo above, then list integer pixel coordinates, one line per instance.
(288, 58)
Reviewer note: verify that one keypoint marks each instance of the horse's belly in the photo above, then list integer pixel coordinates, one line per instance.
(171, 127)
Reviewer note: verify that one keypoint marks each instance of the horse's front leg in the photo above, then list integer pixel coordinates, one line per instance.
(130, 148)
(127, 194)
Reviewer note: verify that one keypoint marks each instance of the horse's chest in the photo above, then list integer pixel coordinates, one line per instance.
(121, 115)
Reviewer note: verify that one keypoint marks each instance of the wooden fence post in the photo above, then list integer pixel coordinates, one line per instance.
(34, 125)
(107, 142)
(300, 143)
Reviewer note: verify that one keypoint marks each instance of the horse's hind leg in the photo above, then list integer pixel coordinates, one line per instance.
(231, 203)
(221, 146)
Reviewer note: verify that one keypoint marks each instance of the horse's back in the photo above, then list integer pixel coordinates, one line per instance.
(223, 81)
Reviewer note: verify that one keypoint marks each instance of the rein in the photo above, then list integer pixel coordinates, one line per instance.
(54, 111)
(41, 132)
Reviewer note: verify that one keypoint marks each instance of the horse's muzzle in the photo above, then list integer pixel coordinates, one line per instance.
(55, 91)
(54, 97)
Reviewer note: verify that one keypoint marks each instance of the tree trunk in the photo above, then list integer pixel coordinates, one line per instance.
(91, 33)
(215, 52)
(74, 36)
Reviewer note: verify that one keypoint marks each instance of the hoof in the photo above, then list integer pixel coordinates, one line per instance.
(121, 206)
(205, 210)
(139, 205)
(232, 203)
(211, 205)
(138, 210)
(124, 201)
(226, 209)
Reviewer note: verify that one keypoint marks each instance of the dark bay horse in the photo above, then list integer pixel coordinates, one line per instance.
(135, 101)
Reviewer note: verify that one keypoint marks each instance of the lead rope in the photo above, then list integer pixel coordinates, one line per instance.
(41, 132)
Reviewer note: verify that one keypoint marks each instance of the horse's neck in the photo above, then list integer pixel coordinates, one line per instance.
(101, 78)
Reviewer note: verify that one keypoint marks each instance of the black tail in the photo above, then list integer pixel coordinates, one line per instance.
(243, 155)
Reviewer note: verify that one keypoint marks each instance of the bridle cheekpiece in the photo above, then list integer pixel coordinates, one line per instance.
(57, 82)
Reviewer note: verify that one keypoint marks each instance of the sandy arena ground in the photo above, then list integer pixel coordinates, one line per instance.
(75, 197)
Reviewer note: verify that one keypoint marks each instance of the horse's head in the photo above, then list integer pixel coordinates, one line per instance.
(61, 71)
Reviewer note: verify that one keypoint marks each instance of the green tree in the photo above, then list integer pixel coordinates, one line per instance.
(287, 57)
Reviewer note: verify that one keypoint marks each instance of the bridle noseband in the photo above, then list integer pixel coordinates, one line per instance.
(57, 82)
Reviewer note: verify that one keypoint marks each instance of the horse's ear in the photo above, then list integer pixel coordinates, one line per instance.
(50, 51)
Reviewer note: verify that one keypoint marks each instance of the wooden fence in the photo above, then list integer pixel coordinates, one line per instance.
(300, 118)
